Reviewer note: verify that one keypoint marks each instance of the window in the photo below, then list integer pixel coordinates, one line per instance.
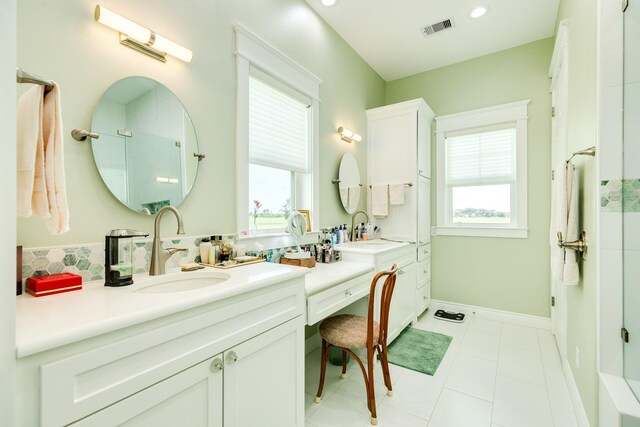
(482, 189)
(277, 152)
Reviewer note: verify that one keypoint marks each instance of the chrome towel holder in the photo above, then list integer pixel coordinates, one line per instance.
(581, 245)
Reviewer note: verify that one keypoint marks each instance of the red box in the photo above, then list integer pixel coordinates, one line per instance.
(53, 284)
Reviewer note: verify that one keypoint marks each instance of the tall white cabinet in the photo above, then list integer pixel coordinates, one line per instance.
(399, 152)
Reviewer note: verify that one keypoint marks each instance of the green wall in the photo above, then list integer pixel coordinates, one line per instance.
(501, 273)
(61, 41)
(582, 130)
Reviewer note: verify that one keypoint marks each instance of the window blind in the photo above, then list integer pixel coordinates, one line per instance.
(481, 157)
(278, 128)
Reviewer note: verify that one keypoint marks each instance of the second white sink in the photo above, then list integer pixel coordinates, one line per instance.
(179, 282)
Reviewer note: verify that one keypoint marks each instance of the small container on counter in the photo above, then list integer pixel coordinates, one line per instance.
(205, 247)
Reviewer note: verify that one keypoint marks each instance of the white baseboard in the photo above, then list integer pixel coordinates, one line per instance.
(312, 343)
(576, 400)
(493, 314)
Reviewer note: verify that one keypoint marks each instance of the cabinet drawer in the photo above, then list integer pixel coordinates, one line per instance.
(402, 258)
(77, 386)
(424, 272)
(327, 302)
(424, 252)
(423, 298)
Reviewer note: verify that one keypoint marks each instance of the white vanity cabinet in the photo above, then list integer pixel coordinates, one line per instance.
(238, 361)
(399, 151)
(384, 255)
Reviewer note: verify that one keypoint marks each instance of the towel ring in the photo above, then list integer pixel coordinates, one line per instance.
(581, 245)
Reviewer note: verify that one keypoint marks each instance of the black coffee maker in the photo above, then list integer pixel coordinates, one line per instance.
(118, 256)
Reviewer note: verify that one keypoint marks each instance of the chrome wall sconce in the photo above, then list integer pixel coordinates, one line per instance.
(140, 38)
(348, 135)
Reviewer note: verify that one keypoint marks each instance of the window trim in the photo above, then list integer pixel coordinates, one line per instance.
(515, 112)
(254, 52)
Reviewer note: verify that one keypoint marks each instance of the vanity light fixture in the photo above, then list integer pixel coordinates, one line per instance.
(140, 38)
(348, 135)
(479, 12)
(328, 2)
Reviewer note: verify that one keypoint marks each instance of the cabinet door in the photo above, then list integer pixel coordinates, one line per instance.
(264, 379)
(402, 311)
(424, 210)
(424, 144)
(192, 397)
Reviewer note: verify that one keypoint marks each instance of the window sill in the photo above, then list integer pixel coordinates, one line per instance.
(502, 232)
(275, 240)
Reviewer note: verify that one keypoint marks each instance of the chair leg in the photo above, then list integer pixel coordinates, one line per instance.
(371, 395)
(344, 365)
(384, 362)
(323, 369)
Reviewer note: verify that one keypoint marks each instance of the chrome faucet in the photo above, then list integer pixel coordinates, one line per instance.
(353, 222)
(159, 255)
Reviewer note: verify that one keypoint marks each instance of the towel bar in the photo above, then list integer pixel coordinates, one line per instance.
(579, 245)
(406, 184)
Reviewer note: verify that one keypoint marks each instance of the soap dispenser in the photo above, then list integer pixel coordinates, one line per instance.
(118, 257)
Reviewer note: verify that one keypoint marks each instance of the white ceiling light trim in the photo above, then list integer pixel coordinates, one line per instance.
(479, 11)
(328, 2)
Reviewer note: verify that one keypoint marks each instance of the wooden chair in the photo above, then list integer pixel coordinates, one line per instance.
(349, 332)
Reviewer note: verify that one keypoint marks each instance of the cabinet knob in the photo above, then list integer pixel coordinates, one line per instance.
(426, 252)
(400, 271)
(347, 294)
(420, 171)
(216, 365)
(231, 357)
(424, 271)
(424, 297)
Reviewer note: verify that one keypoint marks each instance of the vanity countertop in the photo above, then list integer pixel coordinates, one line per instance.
(324, 276)
(52, 321)
(372, 247)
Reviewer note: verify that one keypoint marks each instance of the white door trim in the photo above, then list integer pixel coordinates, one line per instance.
(558, 72)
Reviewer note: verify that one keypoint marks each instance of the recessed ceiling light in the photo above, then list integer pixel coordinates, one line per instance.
(328, 2)
(479, 11)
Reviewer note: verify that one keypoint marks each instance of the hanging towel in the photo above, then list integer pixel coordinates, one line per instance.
(571, 273)
(396, 194)
(380, 200)
(54, 163)
(40, 160)
(31, 188)
(354, 198)
(558, 219)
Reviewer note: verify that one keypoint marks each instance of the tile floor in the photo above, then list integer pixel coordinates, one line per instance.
(494, 374)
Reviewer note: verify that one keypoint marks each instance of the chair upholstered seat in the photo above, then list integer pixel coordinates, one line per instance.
(348, 331)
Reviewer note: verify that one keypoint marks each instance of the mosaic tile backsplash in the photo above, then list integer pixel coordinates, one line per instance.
(88, 260)
(620, 195)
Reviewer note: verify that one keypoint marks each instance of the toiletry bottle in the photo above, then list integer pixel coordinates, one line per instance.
(345, 233)
(340, 235)
(213, 255)
(205, 246)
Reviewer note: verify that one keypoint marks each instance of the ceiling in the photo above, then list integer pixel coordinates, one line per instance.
(388, 34)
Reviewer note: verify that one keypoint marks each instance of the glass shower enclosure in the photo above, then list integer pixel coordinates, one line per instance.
(631, 195)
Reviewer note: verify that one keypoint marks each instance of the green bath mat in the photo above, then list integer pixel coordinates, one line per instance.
(418, 350)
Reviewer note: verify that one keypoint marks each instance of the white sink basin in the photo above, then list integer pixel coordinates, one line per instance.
(179, 282)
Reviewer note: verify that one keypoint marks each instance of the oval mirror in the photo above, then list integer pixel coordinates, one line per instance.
(349, 185)
(147, 150)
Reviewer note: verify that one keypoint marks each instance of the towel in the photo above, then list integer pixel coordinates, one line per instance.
(54, 163)
(40, 160)
(380, 200)
(354, 198)
(571, 273)
(31, 188)
(564, 219)
(396, 194)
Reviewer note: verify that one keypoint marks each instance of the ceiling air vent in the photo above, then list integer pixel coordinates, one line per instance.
(430, 30)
